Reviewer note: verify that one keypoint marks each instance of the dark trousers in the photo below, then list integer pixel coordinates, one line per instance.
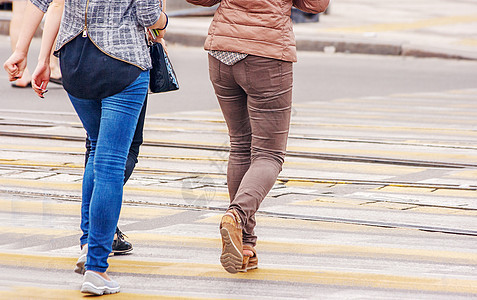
(255, 96)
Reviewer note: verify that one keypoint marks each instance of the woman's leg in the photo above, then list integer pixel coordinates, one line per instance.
(136, 143)
(255, 98)
(268, 84)
(109, 148)
(89, 112)
(233, 103)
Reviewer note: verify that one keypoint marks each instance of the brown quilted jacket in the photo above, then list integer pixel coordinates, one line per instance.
(257, 27)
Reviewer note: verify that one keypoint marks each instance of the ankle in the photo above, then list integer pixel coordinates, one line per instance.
(104, 275)
(235, 215)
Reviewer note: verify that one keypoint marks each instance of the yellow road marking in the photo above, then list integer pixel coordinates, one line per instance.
(463, 92)
(407, 154)
(22, 162)
(468, 42)
(353, 168)
(74, 209)
(394, 170)
(332, 201)
(164, 192)
(22, 232)
(390, 205)
(363, 203)
(268, 246)
(354, 279)
(406, 26)
(444, 211)
(307, 184)
(303, 224)
(44, 185)
(374, 128)
(434, 192)
(212, 128)
(41, 148)
(456, 193)
(404, 190)
(37, 293)
(317, 249)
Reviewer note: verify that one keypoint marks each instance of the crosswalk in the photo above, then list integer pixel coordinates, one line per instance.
(377, 200)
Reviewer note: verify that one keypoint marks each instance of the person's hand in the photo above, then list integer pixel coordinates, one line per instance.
(163, 43)
(40, 79)
(15, 65)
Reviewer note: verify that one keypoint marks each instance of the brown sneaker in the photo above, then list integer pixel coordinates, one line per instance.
(231, 232)
(249, 262)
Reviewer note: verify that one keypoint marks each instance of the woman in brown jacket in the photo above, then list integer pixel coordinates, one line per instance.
(251, 50)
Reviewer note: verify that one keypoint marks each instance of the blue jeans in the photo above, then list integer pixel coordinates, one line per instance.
(135, 145)
(110, 124)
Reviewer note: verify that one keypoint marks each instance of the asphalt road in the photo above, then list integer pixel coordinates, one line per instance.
(377, 198)
(318, 77)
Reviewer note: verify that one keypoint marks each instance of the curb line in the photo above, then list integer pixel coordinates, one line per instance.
(323, 44)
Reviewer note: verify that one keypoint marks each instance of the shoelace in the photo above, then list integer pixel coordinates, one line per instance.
(121, 235)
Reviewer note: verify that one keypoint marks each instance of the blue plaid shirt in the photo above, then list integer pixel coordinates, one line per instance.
(116, 27)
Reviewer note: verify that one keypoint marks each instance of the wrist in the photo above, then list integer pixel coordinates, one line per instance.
(21, 51)
(44, 60)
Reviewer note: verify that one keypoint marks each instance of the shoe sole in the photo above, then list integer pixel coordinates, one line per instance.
(231, 258)
(248, 269)
(89, 288)
(80, 266)
(122, 252)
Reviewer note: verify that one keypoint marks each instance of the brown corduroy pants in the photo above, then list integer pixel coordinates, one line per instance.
(255, 96)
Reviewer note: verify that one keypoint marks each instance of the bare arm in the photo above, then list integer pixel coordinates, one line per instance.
(41, 75)
(149, 13)
(161, 23)
(16, 64)
(311, 6)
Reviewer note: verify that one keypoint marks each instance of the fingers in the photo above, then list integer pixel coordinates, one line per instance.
(162, 33)
(159, 35)
(163, 43)
(15, 65)
(39, 88)
(13, 71)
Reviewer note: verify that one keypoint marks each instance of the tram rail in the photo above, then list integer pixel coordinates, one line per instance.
(262, 212)
(222, 148)
(300, 154)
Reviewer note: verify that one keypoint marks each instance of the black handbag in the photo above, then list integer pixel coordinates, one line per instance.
(162, 75)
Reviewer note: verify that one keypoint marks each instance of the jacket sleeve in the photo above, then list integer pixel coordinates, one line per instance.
(204, 2)
(311, 6)
(148, 12)
(41, 4)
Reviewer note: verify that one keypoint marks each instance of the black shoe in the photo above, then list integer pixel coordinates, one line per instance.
(120, 245)
(57, 80)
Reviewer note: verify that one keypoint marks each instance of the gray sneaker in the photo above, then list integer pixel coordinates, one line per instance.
(94, 283)
(81, 260)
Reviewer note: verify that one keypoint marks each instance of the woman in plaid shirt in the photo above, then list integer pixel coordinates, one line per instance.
(105, 64)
